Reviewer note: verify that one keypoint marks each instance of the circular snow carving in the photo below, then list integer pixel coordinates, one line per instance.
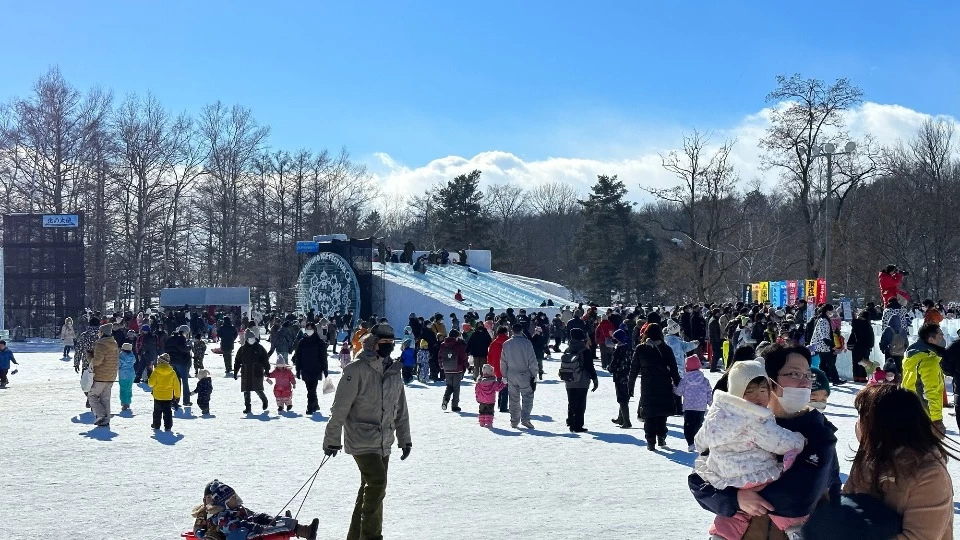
(327, 285)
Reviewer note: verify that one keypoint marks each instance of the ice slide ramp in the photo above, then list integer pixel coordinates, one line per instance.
(406, 291)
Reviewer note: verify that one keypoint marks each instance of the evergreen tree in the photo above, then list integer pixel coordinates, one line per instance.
(460, 216)
(602, 243)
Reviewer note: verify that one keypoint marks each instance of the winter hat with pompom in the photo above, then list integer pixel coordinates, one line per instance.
(220, 492)
(487, 370)
(741, 374)
(164, 358)
(672, 327)
(693, 363)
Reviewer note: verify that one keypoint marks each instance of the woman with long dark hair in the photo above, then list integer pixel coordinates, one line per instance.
(654, 363)
(902, 461)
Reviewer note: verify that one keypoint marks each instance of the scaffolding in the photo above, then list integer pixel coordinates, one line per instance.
(43, 272)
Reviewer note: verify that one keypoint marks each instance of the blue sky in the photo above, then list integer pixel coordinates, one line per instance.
(424, 80)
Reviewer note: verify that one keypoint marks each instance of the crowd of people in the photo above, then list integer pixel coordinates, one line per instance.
(766, 461)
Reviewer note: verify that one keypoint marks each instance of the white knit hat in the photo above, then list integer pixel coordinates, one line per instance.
(672, 327)
(740, 375)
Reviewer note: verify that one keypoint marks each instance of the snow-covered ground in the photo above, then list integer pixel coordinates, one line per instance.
(60, 477)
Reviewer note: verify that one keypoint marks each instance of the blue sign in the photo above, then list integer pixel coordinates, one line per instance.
(308, 247)
(61, 220)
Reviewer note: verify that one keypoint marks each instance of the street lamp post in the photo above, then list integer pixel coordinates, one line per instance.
(829, 150)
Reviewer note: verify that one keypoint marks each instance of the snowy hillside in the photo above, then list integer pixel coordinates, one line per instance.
(63, 478)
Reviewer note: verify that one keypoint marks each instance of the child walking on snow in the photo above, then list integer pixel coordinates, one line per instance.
(126, 373)
(6, 358)
(423, 361)
(487, 388)
(409, 359)
(284, 385)
(345, 356)
(199, 350)
(166, 389)
(697, 395)
(744, 441)
(203, 391)
(223, 511)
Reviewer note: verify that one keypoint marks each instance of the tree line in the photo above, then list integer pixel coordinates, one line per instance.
(203, 199)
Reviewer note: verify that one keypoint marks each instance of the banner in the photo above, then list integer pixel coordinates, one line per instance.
(745, 296)
(792, 292)
(801, 290)
(822, 291)
(847, 307)
(783, 294)
(775, 294)
(764, 291)
(812, 290)
(755, 292)
(811, 307)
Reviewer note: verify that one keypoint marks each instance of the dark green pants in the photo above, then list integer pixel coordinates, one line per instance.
(367, 522)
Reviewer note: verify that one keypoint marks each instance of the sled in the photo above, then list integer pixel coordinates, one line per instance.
(266, 535)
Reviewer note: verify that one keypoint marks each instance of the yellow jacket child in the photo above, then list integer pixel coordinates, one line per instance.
(164, 380)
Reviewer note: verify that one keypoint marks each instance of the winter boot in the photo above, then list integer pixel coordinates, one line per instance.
(650, 445)
(625, 415)
(289, 407)
(527, 424)
(265, 405)
(661, 441)
(246, 411)
(455, 409)
(308, 531)
(444, 405)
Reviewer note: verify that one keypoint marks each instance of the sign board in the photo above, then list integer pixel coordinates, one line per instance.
(308, 247)
(61, 220)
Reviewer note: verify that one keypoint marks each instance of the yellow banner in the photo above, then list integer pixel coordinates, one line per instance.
(811, 289)
(764, 291)
(755, 292)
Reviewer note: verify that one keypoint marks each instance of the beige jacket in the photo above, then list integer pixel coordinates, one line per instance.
(106, 358)
(924, 500)
(370, 405)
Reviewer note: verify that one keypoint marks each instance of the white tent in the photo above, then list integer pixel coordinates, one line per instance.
(207, 296)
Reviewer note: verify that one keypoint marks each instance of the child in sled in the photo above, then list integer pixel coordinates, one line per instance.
(487, 388)
(284, 385)
(744, 441)
(222, 516)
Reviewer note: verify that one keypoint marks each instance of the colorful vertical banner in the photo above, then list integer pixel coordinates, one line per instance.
(755, 289)
(764, 291)
(812, 290)
(791, 292)
(847, 307)
(801, 290)
(822, 291)
(745, 297)
(775, 293)
(811, 307)
(783, 294)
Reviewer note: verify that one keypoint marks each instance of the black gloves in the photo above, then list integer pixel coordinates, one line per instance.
(596, 383)
(405, 453)
(331, 451)
(533, 383)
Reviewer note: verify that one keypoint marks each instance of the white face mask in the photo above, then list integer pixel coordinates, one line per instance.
(819, 405)
(251, 341)
(794, 400)
(309, 332)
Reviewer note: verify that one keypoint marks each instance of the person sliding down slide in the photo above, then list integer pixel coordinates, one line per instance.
(890, 279)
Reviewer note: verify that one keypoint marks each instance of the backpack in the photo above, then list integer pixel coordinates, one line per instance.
(449, 360)
(898, 343)
(571, 369)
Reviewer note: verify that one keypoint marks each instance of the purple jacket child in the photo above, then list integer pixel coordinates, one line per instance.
(694, 387)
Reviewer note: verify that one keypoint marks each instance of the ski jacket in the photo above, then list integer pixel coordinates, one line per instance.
(283, 382)
(369, 409)
(6, 358)
(310, 357)
(494, 354)
(68, 335)
(604, 332)
(125, 365)
(680, 350)
(890, 286)
(176, 346)
(164, 382)
(252, 365)
(281, 340)
(922, 375)
(518, 362)
(204, 388)
(199, 349)
(557, 328)
(744, 441)
(715, 329)
(228, 335)
(478, 345)
(588, 372)
(458, 349)
(487, 388)
(106, 357)
(815, 473)
(695, 391)
(950, 364)
(620, 364)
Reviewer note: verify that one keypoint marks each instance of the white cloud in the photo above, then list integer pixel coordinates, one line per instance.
(886, 123)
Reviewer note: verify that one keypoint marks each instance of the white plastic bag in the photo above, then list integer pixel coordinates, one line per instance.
(328, 386)
(86, 380)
